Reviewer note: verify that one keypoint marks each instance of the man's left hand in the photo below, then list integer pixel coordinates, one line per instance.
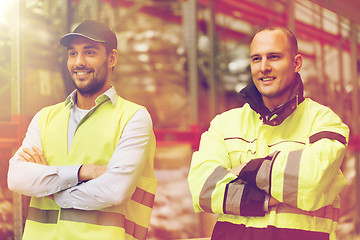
(236, 170)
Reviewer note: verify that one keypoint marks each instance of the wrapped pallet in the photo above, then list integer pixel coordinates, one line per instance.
(173, 216)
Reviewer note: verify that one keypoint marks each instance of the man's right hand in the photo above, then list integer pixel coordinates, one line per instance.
(34, 155)
(91, 171)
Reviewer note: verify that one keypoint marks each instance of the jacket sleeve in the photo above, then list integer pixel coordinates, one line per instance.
(309, 178)
(213, 187)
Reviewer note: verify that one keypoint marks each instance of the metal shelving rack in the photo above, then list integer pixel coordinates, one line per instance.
(13, 123)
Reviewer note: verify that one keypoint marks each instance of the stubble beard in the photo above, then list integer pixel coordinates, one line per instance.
(96, 83)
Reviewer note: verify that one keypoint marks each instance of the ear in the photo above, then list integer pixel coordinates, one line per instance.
(298, 62)
(113, 58)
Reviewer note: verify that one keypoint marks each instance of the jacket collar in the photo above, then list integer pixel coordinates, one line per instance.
(252, 96)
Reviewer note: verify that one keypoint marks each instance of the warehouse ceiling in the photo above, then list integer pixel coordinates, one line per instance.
(345, 8)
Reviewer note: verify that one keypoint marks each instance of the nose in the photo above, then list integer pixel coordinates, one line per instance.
(80, 60)
(265, 66)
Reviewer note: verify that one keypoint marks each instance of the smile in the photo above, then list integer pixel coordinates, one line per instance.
(266, 79)
(82, 73)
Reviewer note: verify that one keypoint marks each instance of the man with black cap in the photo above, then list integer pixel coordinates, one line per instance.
(87, 162)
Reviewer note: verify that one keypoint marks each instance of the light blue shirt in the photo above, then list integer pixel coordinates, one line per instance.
(113, 187)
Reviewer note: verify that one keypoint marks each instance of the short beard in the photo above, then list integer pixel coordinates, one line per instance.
(91, 89)
(97, 82)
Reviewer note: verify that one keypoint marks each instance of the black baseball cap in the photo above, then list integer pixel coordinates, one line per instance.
(92, 30)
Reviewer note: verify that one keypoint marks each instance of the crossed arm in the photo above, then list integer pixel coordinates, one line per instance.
(236, 170)
(86, 171)
(29, 173)
(217, 188)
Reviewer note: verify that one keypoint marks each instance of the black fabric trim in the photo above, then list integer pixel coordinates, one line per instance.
(252, 96)
(249, 172)
(231, 231)
(239, 138)
(252, 202)
(286, 141)
(329, 135)
(283, 112)
(225, 197)
(271, 167)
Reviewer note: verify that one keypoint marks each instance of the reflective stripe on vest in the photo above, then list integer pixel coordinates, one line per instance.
(97, 217)
(91, 217)
(143, 197)
(43, 216)
(104, 219)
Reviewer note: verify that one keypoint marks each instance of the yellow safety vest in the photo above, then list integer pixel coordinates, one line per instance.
(304, 175)
(46, 220)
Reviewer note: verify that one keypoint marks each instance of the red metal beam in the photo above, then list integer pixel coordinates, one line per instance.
(346, 8)
(150, 10)
(12, 133)
(252, 13)
(191, 136)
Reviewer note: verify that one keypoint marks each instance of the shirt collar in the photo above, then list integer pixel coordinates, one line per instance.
(109, 94)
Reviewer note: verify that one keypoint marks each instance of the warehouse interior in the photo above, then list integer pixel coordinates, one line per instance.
(185, 61)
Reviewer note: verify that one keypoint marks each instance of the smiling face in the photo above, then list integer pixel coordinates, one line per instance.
(273, 66)
(89, 66)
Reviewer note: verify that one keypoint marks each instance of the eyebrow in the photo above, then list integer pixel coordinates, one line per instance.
(270, 53)
(85, 47)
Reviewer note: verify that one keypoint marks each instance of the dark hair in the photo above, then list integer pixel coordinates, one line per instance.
(290, 36)
(108, 48)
